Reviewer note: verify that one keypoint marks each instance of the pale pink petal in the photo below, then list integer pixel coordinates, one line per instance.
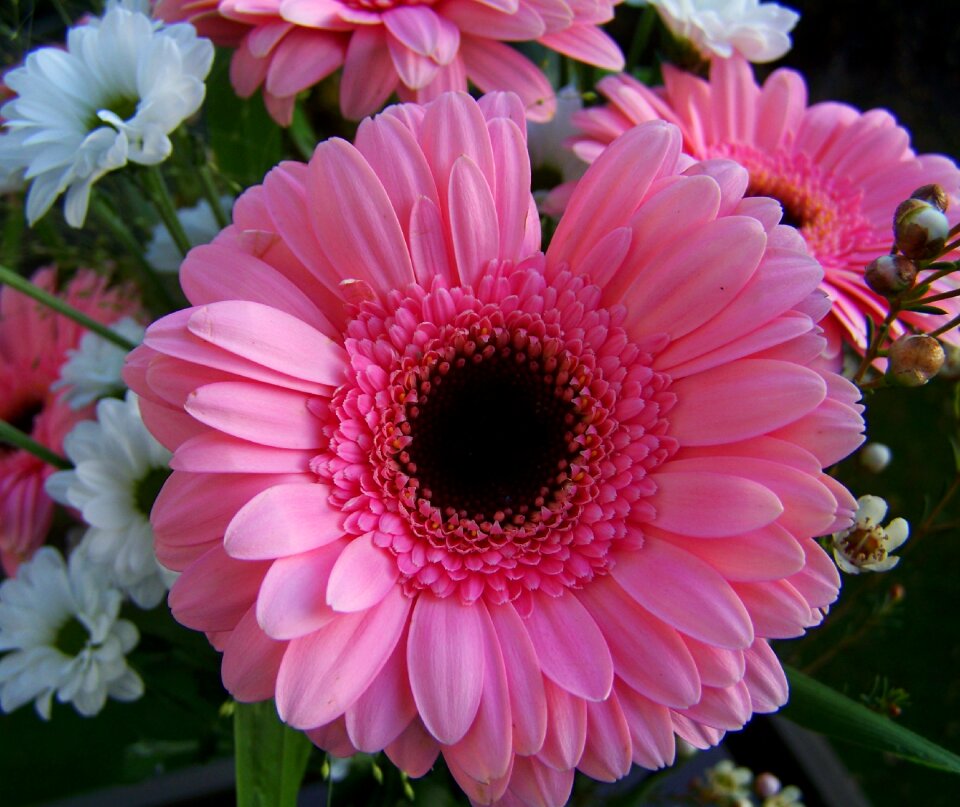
(586, 44)
(511, 198)
(776, 609)
(566, 729)
(717, 666)
(417, 27)
(608, 752)
(324, 673)
(368, 75)
(686, 593)
(415, 71)
(535, 783)
(445, 657)
(214, 452)
(473, 220)
(764, 678)
(489, 24)
(584, 668)
(283, 520)
(291, 602)
(251, 660)
(492, 66)
(651, 730)
(428, 244)
(414, 751)
(302, 59)
(362, 576)
(726, 709)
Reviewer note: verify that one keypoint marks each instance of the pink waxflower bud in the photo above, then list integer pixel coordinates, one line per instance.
(914, 360)
(891, 275)
(919, 229)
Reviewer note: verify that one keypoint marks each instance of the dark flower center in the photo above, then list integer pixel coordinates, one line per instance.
(147, 489)
(489, 437)
(72, 637)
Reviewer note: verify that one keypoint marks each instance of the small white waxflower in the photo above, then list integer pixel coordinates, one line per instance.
(119, 469)
(866, 546)
(757, 31)
(555, 167)
(725, 783)
(60, 623)
(93, 369)
(200, 226)
(123, 83)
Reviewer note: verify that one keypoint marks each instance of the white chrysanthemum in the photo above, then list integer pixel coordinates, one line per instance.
(757, 31)
(114, 95)
(866, 546)
(93, 369)
(60, 622)
(200, 226)
(119, 469)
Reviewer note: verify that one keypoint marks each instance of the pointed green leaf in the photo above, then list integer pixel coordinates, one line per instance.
(270, 757)
(926, 309)
(819, 708)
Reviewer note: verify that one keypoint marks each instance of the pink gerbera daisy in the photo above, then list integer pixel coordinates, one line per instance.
(439, 493)
(416, 48)
(33, 345)
(839, 173)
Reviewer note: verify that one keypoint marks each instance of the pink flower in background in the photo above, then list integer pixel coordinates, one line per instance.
(838, 172)
(438, 493)
(416, 48)
(33, 345)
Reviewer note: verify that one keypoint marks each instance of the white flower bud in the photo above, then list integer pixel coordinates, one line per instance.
(875, 457)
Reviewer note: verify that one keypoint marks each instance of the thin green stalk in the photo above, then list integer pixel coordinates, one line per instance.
(873, 350)
(14, 281)
(943, 329)
(159, 194)
(13, 436)
(641, 36)
(938, 297)
(211, 195)
(147, 275)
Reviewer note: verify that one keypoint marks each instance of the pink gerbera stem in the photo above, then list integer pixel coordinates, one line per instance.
(15, 281)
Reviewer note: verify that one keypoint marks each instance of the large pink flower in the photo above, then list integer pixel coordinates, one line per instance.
(33, 345)
(438, 493)
(838, 172)
(416, 48)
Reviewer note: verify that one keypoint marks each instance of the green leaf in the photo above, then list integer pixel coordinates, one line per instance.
(926, 309)
(819, 708)
(271, 757)
(246, 141)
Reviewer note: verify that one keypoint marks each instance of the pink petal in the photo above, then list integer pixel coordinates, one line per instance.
(486, 750)
(488, 24)
(697, 734)
(271, 338)
(251, 660)
(686, 593)
(303, 59)
(284, 520)
(259, 413)
(588, 44)
(535, 783)
(511, 190)
(819, 580)
(428, 244)
(361, 231)
(417, 27)
(647, 654)
(776, 609)
(711, 505)
(324, 673)
(333, 738)
(583, 667)
(528, 701)
(362, 576)
(414, 751)
(764, 678)
(651, 730)
(726, 709)
(368, 76)
(323, 14)
(291, 602)
(608, 751)
(385, 709)
(214, 452)
(566, 729)
(781, 105)
(215, 592)
(445, 656)
(473, 220)
(415, 71)
(492, 65)
(717, 667)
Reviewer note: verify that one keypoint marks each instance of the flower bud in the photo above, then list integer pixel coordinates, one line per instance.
(767, 785)
(914, 360)
(919, 229)
(875, 457)
(890, 275)
(934, 195)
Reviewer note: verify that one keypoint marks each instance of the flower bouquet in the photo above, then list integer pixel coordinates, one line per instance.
(463, 401)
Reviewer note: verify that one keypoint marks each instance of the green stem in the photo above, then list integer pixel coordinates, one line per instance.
(159, 194)
(873, 349)
(148, 280)
(943, 329)
(211, 195)
(14, 281)
(13, 436)
(641, 36)
(937, 297)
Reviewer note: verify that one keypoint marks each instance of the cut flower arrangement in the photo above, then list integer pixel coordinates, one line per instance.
(416, 476)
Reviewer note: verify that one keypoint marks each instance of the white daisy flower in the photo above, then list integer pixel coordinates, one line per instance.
(200, 226)
(866, 546)
(60, 622)
(123, 83)
(118, 470)
(93, 369)
(757, 31)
